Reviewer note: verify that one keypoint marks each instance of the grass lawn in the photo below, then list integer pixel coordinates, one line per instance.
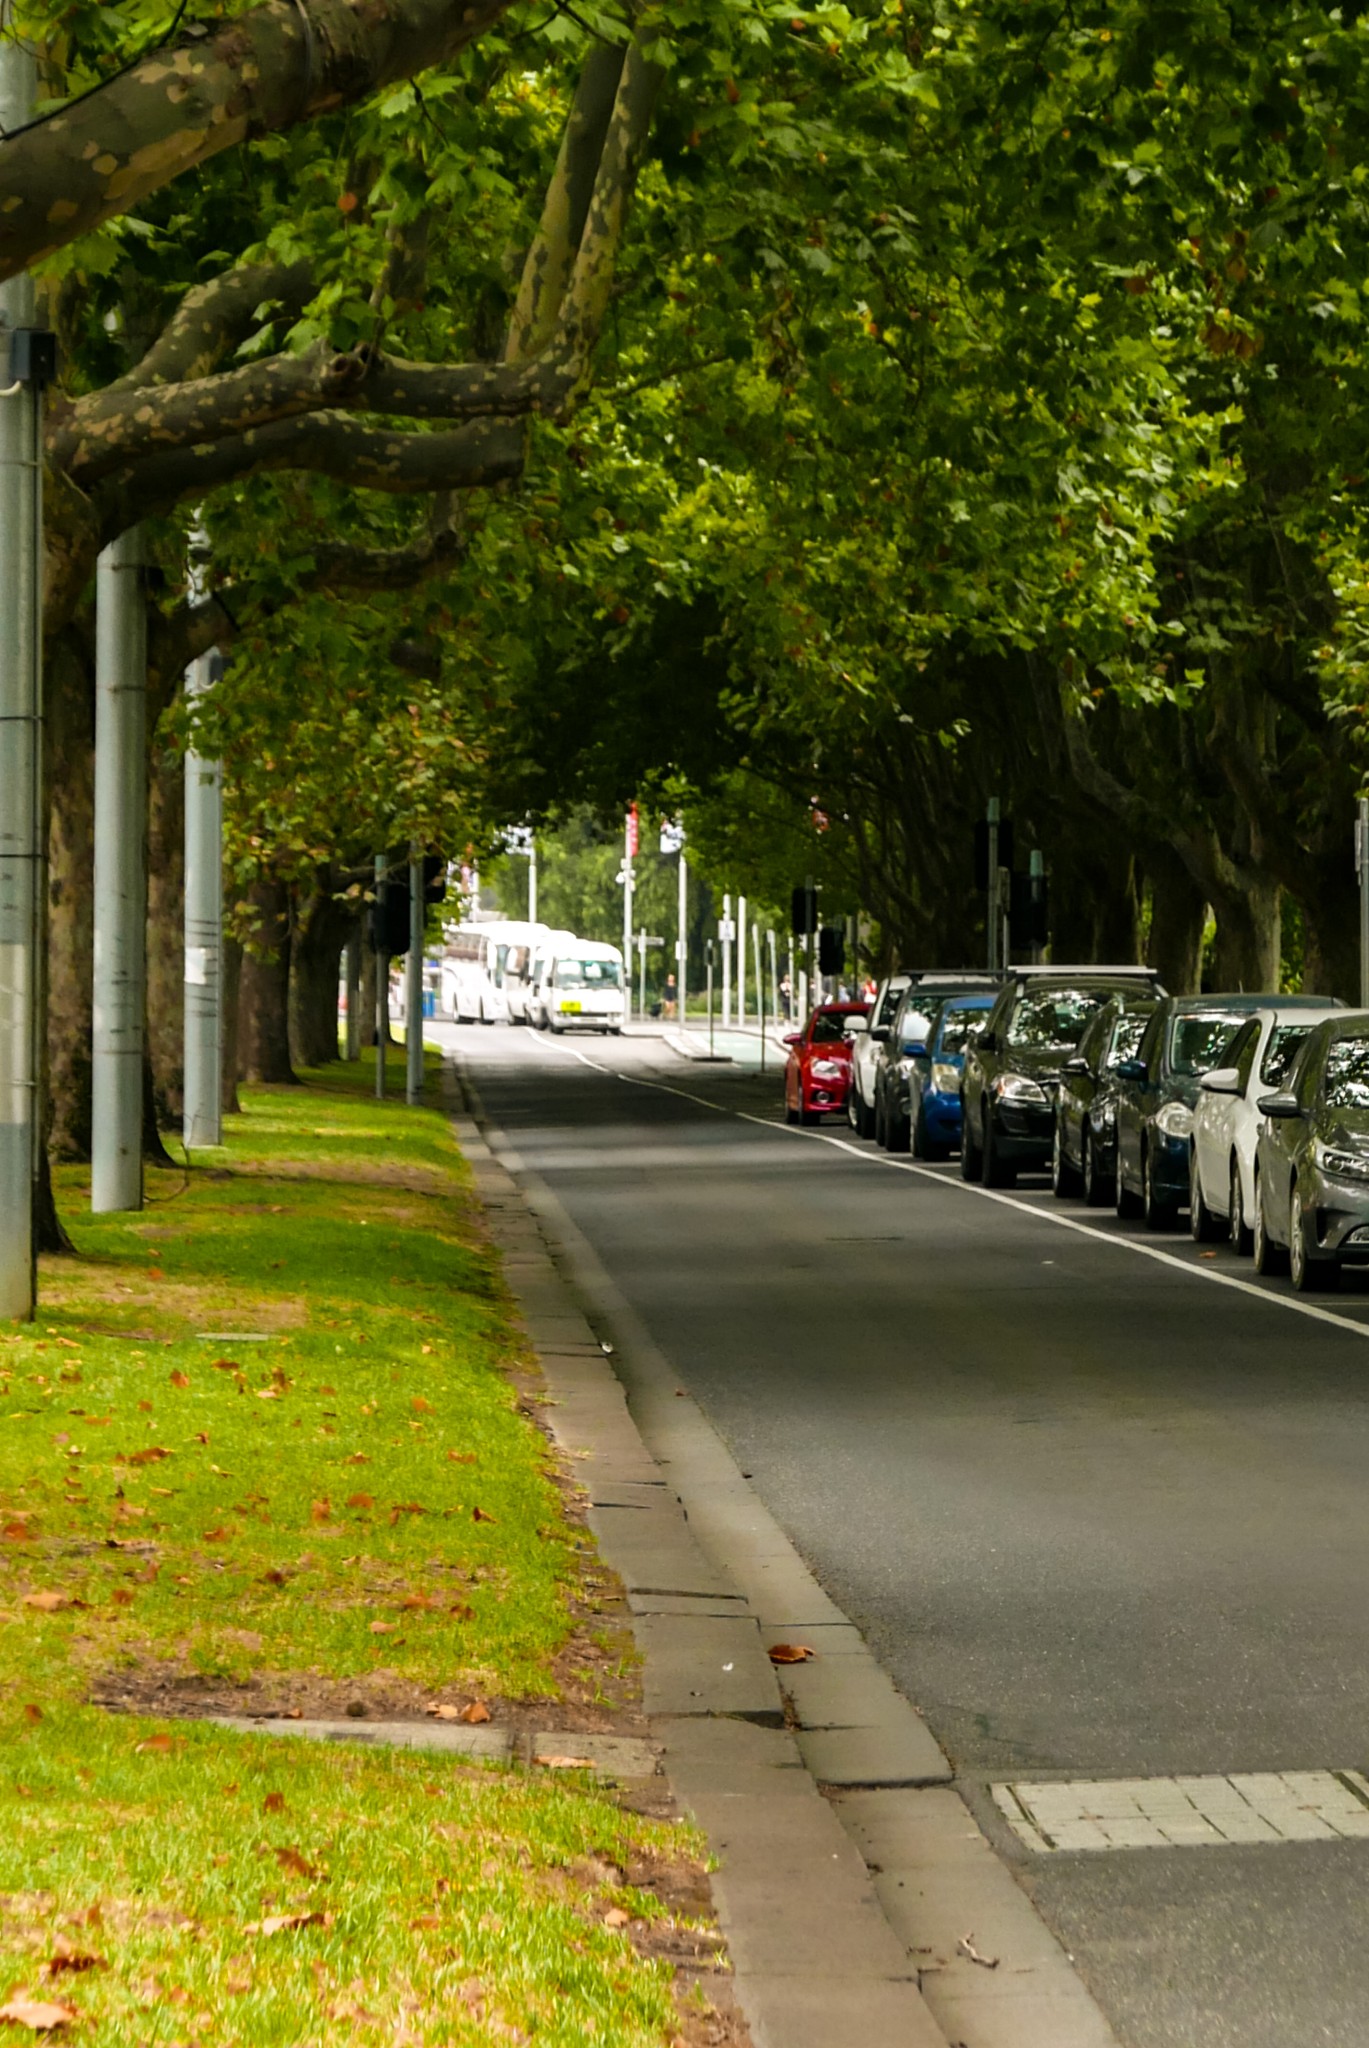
(258, 1454)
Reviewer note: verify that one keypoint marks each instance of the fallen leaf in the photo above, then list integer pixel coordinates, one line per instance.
(426, 1920)
(65, 1957)
(616, 1917)
(267, 1393)
(37, 2014)
(462, 1610)
(216, 1535)
(461, 1457)
(274, 1802)
(32, 1713)
(180, 1379)
(144, 1408)
(357, 1458)
(420, 1406)
(479, 1515)
(361, 1500)
(790, 1653)
(475, 1713)
(282, 1923)
(445, 1713)
(47, 1603)
(273, 1578)
(151, 1456)
(121, 1599)
(19, 1532)
(236, 1986)
(159, 1745)
(320, 1510)
(566, 1763)
(415, 1601)
(292, 1859)
(383, 1628)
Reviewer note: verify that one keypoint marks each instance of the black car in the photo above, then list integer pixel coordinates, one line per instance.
(1084, 1158)
(1312, 1159)
(1157, 1089)
(928, 989)
(1013, 1065)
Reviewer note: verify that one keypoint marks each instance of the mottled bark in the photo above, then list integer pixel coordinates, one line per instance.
(265, 71)
(1178, 912)
(322, 926)
(264, 988)
(1246, 950)
(368, 988)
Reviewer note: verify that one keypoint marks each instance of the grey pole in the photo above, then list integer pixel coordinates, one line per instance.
(760, 987)
(382, 981)
(353, 958)
(710, 999)
(682, 940)
(774, 979)
(1362, 854)
(727, 962)
(116, 1148)
(21, 847)
(741, 962)
(992, 918)
(532, 881)
(413, 986)
(202, 1122)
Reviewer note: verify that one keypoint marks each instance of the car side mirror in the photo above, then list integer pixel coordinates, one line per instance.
(1222, 1081)
(1076, 1064)
(914, 1049)
(1132, 1070)
(1284, 1104)
(793, 1037)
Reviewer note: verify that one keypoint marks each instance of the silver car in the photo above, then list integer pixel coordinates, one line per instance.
(1312, 1159)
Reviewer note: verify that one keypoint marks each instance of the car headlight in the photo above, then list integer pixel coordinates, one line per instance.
(1017, 1088)
(945, 1080)
(1175, 1120)
(827, 1070)
(1349, 1165)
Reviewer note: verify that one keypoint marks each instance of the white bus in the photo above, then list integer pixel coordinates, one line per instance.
(473, 968)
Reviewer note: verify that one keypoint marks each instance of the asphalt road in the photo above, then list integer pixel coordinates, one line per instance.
(1100, 1513)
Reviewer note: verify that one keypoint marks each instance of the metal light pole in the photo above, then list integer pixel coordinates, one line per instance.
(726, 936)
(682, 939)
(741, 961)
(774, 979)
(413, 985)
(641, 974)
(629, 849)
(710, 998)
(532, 881)
(21, 840)
(120, 980)
(202, 1119)
(760, 988)
(382, 979)
(993, 919)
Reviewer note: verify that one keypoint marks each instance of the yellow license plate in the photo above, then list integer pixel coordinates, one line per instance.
(570, 1009)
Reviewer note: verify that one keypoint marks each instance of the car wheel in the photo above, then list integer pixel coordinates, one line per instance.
(1309, 1275)
(1237, 1229)
(1203, 1225)
(996, 1172)
(881, 1122)
(971, 1155)
(1159, 1211)
(1064, 1179)
(1269, 1257)
(853, 1107)
(1097, 1186)
(1129, 1206)
(810, 1116)
(791, 1116)
(900, 1134)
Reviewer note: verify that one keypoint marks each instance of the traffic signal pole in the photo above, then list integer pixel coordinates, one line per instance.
(21, 843)
(120, 977)
(413, 984)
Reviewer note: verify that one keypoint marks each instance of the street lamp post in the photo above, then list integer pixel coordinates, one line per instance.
(413, 983)
(120, 970)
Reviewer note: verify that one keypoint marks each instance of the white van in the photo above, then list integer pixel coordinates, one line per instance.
(477, 959)
(535, 973)
(580, 987)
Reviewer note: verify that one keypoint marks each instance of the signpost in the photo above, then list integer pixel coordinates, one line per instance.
(645, 942)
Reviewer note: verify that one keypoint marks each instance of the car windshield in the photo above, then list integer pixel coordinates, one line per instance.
(958, 1020)
(1197, 1043)
(829, 1026)
(1347, 1073)
(588, 974)
(1127, 1033)
(889, 1005)
(1284, 1041)
(1052, 1019)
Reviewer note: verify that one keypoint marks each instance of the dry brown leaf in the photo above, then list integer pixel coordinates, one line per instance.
(462, 1610)
(565, 1763)
(479, 1515)
(426, 1920)
(357, 1458)
(361, 1500)
(38, 2014)
(321, 1510)
(274, 1802)
(47, 1603)
(461, 1457)
(292, 1859)
(445, 1713)
(267, 1393)
(273, 1578)
(121, 1599)
(153, 1455)
(19, 1532)
(383, 1628)
(616, 1917)
(65, 1957)
(420, 1406)
(216, 1535)
(475, 1713)
(32, 1713)
(158, 1745)
(282, 1923)
(416, 1600)
(790, 1653)
(180, 1379)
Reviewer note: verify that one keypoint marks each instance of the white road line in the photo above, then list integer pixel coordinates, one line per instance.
(1062, 1222)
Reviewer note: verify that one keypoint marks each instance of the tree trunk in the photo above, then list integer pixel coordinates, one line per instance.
(1330, 941)
(70, 775)
(154, 1150)
(166, 936)
(49, 1234)
(228, 1047)
(1246, 956)
(264, 988)
(1178, 913)
(321, 931)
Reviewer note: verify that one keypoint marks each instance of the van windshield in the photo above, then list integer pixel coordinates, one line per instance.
(588, 974)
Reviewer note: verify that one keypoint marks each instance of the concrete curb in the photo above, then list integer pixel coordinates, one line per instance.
(816, 1962)
(889, 1789)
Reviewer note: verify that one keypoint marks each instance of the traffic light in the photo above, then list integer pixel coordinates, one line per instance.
(390, 915)
(831, 949)
(804, 914)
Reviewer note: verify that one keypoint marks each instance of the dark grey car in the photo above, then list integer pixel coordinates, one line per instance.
(1312, 1159)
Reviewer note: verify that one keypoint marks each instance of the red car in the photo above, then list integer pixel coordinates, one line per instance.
(819, 1071)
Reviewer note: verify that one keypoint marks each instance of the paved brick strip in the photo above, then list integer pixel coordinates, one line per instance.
(1187, 1813)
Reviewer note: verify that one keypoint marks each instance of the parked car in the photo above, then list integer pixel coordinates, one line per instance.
(1226, 1119)
(1311, 1197)
(1156, 1092)
(1084, 1148)
(866, 1038)
(933, 1104)
(926, 991)
(1013, 1065)
(818, 1072)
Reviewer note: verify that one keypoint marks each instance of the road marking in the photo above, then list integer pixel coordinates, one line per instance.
(1187, 1813)
(1294, 1303)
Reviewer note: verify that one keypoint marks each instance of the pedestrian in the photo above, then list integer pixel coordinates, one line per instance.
(670, 1005)
(786, 997)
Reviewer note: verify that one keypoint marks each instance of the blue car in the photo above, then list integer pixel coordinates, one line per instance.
(934, 1073)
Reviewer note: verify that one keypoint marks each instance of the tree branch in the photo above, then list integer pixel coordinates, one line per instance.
(266, 71)
(213, 318)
